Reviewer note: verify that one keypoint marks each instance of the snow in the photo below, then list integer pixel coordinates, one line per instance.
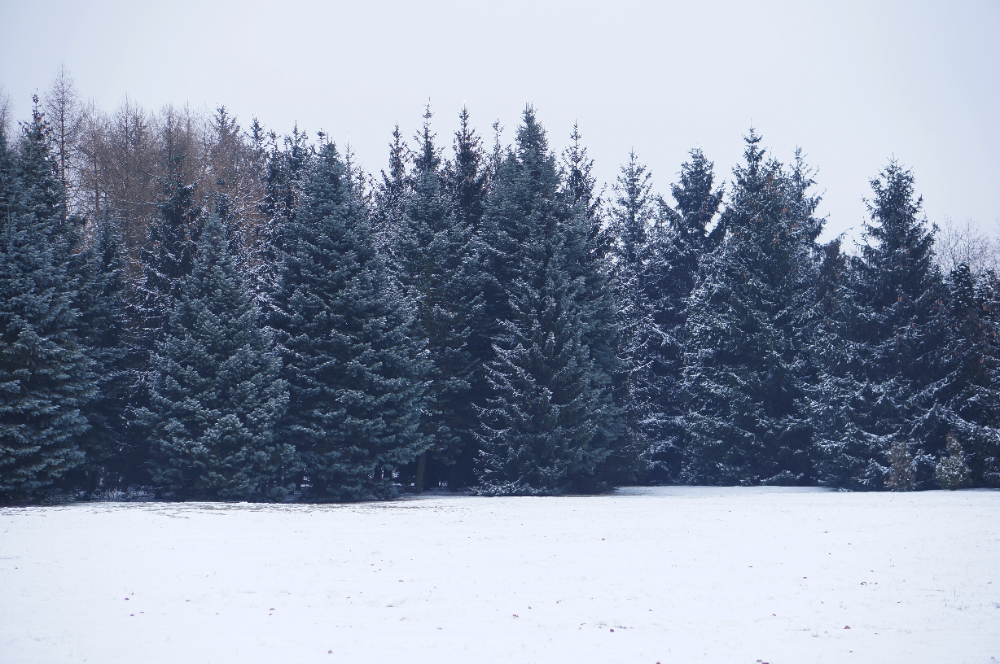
(679, 575)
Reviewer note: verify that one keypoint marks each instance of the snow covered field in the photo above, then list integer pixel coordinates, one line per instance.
(646, 575)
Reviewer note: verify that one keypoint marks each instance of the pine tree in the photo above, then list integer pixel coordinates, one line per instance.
(589, 259)
(966, 401)
(632, 216)
(45, 377)
(101, 331)
(465, 175)
(466, 180)
(391, 195)
(831, 386)
(551, 420)
(896, 329)
(678, 239)
(217, 394)
(168, 255)
(438, 270)
(283, 171)
(355, 374)
(746, 417)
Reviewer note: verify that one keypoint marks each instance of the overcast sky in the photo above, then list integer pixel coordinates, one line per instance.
(852, 83)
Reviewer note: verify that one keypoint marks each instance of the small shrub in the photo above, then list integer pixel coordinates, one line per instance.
(902, 471)
(951, 472)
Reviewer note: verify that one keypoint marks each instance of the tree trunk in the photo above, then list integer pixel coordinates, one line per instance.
(421, 465)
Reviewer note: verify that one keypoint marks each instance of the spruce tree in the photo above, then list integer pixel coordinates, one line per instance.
(101, 331)
(466, 179)
(437, 268)
(966, 411)
(678, 239)
(896, 328)
(832, 385)
(551, 420)
(589, 259)
(632, 214)
(217, 394)
(743, 376)
(355, 374)
(283, 171)
(45, 377)
(391, 195)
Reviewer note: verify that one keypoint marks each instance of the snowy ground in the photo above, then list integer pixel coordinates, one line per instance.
(647, 575)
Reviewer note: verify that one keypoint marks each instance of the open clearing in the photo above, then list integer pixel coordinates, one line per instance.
(645, 575)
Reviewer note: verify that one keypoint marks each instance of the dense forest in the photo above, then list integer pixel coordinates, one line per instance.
(195, 309)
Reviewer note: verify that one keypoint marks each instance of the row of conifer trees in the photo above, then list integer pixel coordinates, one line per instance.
(487, 321)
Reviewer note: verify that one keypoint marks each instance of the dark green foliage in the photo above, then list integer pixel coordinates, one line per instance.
(167, 257)
(284, 169)
(746, 420)
(893, 331)
(632, 215)
(967, 400)
(45, 377)
(438, 268)
(355, 375)
(217, 394)
(101, 331)
(677, 241)
(466, 179)
(551, 421)
(391, 195)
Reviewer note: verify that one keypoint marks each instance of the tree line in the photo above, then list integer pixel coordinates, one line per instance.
(194, 309)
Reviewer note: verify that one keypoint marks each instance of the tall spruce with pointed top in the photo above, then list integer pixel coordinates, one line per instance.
(284, 167)
(631, 221)
(168, 255)
(894, 333)
(217, 393)
(355, 375)
(390, 197)
(590, 259)
(45, 377)
(678, 239)
(438, 270)
(551, 420)
(743, 376)
(466, 179)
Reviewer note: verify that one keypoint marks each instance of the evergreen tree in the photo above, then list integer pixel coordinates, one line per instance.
(437, 268)
(466, 175)
(551, 420)
(45, 377)
(894, 333)
(579, 184)
(966, 410)
(589, 258)
(283, 171)
(168, 255)
(217, 394)
(677, 241)
(355, 374)
(631, 220)
(391, 195)
(743, 376)
(466, 180)
(101, 331)
(831, 386)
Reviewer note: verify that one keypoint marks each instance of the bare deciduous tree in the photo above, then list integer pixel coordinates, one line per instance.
(63, 111)
(958, 243)
(5, 111)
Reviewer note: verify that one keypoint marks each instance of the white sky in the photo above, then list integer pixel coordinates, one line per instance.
(852, 82)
